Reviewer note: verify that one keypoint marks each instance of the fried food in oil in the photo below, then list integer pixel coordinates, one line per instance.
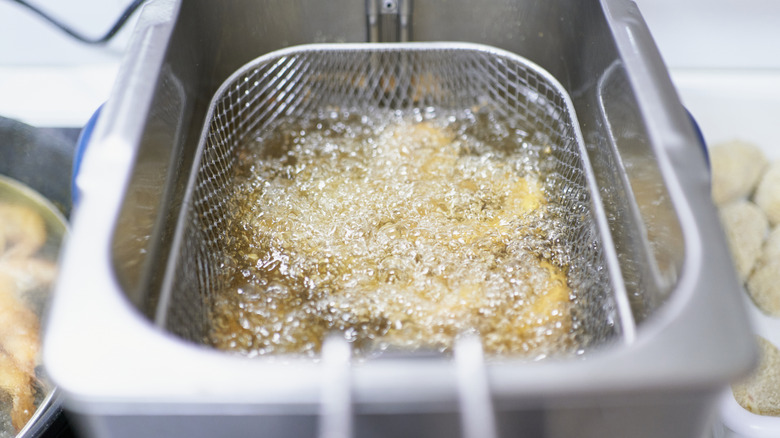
(30, 274)
(19, 344)
(549, 313)
(19, 385)
(405, 237)
(22, 235)
(737, 167)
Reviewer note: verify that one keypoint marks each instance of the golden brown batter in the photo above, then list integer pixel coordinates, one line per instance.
(22, 235)
(398, 235)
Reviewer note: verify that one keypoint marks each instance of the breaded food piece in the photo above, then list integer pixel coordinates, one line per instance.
(736, 169)
(23, 230)
(19, 331)
(549, 313)
(746, 227)
(29, 274)
(768, 193)
(19, 344)
(764, 283)
(760, 394)
(19, 385)
(771, 250)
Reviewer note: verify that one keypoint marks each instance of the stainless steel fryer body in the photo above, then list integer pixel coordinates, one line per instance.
(119, 375)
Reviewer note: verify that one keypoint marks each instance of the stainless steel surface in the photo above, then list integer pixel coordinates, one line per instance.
(389, 20)
(123, 377)
(44, 417)
(476, 407)
(336, 416)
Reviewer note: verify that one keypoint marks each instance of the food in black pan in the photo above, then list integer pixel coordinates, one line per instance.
(28, 247)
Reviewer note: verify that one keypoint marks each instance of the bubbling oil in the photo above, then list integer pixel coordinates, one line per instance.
(398, 231)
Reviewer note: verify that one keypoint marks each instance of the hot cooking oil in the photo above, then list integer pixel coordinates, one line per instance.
(397, 231)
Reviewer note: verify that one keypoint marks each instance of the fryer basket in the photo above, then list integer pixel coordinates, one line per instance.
(302, 82)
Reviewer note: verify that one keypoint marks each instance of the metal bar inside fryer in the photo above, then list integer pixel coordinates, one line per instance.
(476, 406)
(336, 400)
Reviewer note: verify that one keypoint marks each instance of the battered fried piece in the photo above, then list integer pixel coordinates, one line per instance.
(22, 231)
(425, 135)
(746, 227)
(22, 235)
(426, 85)
(19, 345)
(19, 330)
(736, 169)
(760, 394)
(548, 317)
(29, 274)
(19, 385)
(768, 193)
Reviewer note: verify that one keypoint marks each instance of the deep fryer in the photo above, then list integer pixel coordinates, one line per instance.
(123, 375)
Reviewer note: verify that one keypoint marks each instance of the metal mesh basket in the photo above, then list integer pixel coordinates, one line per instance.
(298, 82)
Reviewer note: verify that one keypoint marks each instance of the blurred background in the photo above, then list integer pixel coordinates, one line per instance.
(49, 79)
(723, 56)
